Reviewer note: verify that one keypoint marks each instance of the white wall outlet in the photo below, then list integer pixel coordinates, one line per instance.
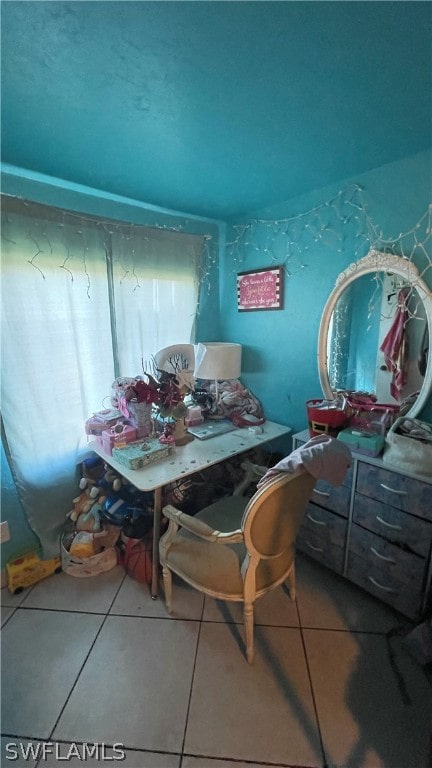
(4, 532)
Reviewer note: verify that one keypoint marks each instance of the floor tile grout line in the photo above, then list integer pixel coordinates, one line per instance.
(3, 624)
(107, 616)
(44, 740)
(192, 681)
(202, 621)
(323, 754)
(348, 630)
(122, 581)
(131, 615)
(242, 761)
(77, 677)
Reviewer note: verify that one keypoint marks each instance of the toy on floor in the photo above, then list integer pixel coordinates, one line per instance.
(136, 557)
(82, 545)
(28, 569)
(106, 538)
(83, 506)
(99, 477)
(108, 507)
(85, 544)
(95, 487)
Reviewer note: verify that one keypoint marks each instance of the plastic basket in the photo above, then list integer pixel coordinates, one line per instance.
(83, 567)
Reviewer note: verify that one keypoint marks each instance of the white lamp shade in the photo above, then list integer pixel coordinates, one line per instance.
(218, 360)
(175, 358)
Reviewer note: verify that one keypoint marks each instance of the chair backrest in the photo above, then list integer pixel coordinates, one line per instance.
(274, 513)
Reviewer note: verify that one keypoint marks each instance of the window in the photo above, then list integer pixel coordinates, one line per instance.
(82, 302)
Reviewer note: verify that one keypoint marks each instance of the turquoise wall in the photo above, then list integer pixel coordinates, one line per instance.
(22, 538)
(280, 347)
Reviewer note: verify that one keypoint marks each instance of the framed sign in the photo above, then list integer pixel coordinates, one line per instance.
(260, 289)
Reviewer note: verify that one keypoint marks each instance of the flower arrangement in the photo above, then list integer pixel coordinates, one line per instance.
(161, 391)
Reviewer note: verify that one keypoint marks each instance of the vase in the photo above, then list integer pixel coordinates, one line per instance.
(140, 416)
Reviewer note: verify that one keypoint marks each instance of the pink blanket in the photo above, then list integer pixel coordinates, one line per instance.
(324, 457)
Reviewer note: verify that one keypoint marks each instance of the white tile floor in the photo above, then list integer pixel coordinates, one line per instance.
(97, 661)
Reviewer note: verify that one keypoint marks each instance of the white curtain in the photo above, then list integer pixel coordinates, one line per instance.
(73, 319)
(155, 281)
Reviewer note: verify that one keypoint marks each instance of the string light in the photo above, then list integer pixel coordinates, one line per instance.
(326, 224)
(205, 258)
(282, 240)
(35, 255)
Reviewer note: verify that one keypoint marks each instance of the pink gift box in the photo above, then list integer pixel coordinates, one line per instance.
(102, 420)
(118, 435)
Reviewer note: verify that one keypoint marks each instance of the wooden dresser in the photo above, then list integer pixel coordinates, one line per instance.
(375, 529)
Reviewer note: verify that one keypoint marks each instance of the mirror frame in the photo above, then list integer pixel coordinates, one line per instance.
(376, 261)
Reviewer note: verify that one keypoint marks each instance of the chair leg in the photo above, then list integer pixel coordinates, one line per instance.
(167, 580)
(248, 617)
(291, 583)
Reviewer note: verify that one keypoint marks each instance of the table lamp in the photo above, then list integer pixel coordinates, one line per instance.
(217, 361)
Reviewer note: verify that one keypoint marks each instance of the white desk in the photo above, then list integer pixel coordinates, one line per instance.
(186, 460)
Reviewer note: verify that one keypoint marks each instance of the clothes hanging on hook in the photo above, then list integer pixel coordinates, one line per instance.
(395, 346)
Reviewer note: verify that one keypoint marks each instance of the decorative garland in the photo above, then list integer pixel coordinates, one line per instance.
(286, 241)
(205, 260)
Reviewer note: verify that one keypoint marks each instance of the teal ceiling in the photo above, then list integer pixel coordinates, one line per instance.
(213, 108)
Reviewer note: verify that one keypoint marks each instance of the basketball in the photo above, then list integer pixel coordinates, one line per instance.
(138, 560)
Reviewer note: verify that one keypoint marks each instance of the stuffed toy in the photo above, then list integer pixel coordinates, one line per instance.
(105, 538)
(108, 481)
(112, 479)
(90, 521)
(82, 505)
(92, 469)
(82, 545)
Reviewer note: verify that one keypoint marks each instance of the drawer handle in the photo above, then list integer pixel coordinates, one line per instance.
(389, 525)
(393, 490)
(380, 586)
(317, 522)
(316, 549)
(382, 557)
(321, 493)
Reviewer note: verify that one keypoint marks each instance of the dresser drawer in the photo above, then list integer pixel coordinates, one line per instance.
(387, 560)
(318, 547)
(335, 499)
(327, 526)
(401, 492)
(408, 531)
(404, 597)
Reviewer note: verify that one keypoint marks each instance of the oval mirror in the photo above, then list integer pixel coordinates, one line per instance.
(375, 330)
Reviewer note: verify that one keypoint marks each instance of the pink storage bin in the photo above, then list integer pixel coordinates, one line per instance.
(119, 434)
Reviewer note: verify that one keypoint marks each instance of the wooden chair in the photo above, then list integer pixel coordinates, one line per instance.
(238, 548)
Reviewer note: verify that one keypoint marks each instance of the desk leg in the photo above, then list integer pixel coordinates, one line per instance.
(156, 536)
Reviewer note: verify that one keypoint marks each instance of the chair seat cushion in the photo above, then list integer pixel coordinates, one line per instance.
(225, 514)
(215, 568)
